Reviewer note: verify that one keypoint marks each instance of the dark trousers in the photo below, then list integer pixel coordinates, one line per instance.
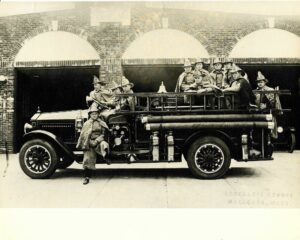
(87, 173)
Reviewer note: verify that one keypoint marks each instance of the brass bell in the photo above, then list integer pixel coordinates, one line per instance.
(162, 88)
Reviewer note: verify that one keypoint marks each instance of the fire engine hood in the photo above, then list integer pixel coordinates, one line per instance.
(61, 115)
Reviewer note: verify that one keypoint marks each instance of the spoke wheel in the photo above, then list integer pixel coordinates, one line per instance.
(38, 158)
(208, 158)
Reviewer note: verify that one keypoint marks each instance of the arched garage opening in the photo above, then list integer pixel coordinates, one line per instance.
(158, 56)
(276, 53)
(54, 71)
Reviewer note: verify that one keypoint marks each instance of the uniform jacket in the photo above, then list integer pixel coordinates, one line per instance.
(269, 99)
(179, 81)
(245, 95)
(126, 102)
(87, 131)
(103, 96)
(188, 86)
(203, 78)
(223, 83)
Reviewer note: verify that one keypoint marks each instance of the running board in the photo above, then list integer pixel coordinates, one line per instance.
(255, 160)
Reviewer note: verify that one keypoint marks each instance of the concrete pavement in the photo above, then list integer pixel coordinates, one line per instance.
(160, 185)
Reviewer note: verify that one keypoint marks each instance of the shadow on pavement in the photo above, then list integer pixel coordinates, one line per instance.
(243, 173)
(151, 173)
(126, 173)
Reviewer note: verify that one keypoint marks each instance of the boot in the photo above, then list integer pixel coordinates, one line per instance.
(86, 180)
(106, 158)
(87, 176)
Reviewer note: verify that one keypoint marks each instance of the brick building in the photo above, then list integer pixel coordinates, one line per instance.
(36, 71)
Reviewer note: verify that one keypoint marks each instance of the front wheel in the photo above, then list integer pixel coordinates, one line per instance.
(208, 158)
(38, 158)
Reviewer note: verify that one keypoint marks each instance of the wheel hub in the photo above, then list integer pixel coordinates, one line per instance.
(209, 158)
(37, 159)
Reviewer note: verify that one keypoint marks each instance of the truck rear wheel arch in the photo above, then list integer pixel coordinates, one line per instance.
(200, 134)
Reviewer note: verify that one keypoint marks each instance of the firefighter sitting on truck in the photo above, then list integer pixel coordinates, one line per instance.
(264, 101)
(188, 83)
(202, 77)
(124, 102)
(217, 69)
(187, 68)
(101, 97)
(242, 87)
(228, 64)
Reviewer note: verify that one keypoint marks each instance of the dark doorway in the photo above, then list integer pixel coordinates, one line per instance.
(147, 78)
(50, 89)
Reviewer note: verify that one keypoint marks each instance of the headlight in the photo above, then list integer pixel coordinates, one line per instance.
(78, 124)
(27, 126)
(280, 129)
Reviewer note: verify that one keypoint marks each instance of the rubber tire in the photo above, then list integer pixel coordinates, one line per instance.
(53, 155)
(196, 145)
(67, 162)
(291, 142)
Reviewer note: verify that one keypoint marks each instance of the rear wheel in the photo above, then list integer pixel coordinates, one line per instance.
(208, 158)
(38, 158)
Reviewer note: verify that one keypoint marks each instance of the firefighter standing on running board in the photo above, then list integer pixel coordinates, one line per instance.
(91, 141)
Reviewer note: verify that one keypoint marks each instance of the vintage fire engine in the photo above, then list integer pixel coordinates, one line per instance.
(161, 127)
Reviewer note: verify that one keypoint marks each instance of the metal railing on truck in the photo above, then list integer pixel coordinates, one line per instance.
(195, 102)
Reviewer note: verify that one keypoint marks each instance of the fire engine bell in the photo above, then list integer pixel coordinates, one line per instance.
(162, 88)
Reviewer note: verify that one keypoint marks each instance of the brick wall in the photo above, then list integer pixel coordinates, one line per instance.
(218, 32)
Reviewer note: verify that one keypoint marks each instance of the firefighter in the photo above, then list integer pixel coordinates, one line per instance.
(199, 68)
(100, 94)
(202, 76)
(227, 66)
(220, 80)
(217, 69)
(101, 97)
(187, 68)
(92, 142)
(242, 87)
(264, 101)
(188, 83)
(127, 102)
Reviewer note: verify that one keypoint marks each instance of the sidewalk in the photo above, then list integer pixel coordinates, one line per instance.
(253, 184)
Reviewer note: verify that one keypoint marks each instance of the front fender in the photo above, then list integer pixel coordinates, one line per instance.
(57, 142)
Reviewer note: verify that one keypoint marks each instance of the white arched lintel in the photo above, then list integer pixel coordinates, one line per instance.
(56, 46)
(267, 43)
(165, 44)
